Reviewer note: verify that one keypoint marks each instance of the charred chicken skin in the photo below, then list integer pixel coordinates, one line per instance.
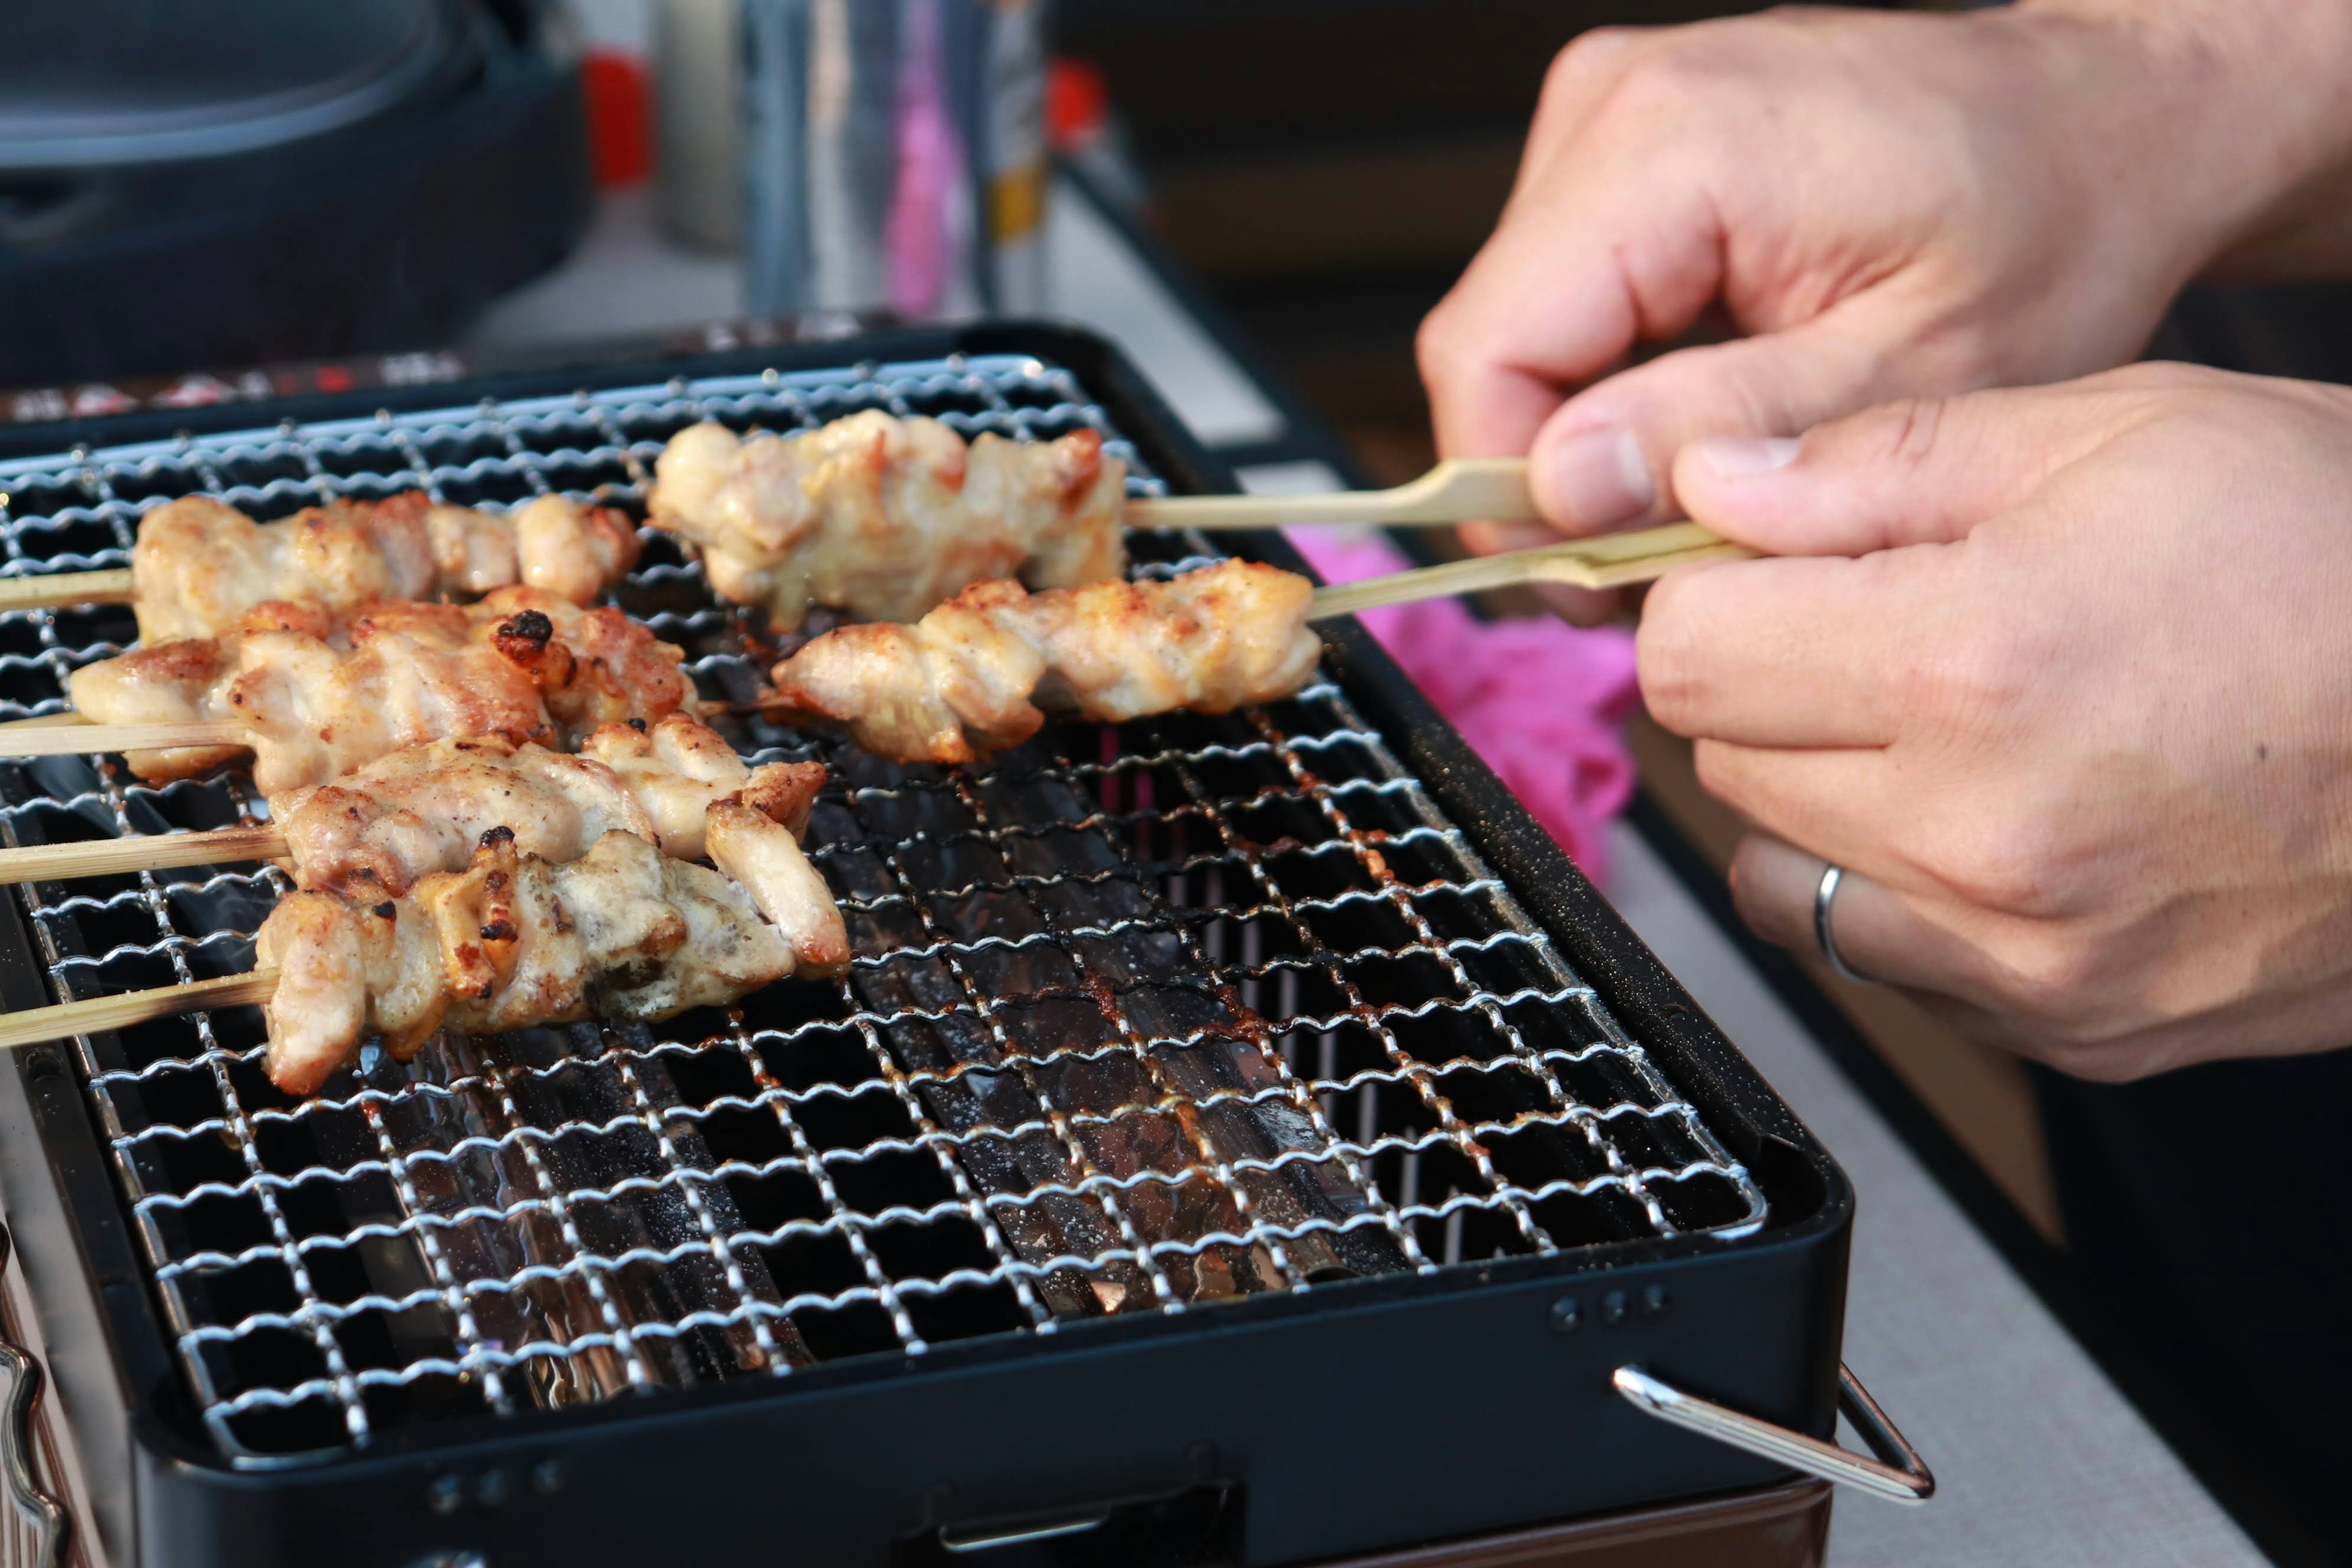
(201, 565)
(887, 517)
(977, 674)
(324, 694)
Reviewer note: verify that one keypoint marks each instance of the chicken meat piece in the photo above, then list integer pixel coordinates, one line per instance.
(199, 564)
(678, 767)
(324, 694)
(513, 942)
(385, 827)
(977, 673)
(887, 517)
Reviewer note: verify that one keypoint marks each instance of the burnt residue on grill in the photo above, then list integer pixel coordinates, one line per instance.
(1140, 1019)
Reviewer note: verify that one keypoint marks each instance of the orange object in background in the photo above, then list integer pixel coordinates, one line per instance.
(619, 96)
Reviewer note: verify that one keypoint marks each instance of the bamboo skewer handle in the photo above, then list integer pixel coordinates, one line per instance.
(1460, 490)
(62, 590)
(39, 1025)
(153, 852)
(1607, 561)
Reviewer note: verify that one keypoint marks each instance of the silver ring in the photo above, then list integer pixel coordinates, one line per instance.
(1823, 893)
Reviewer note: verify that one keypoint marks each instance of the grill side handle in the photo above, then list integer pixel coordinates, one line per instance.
(42, 1517)
(1898, 1473)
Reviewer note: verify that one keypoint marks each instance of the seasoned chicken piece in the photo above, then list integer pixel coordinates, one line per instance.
(382, 828)
(1217, 638)
(765, 857)
(512, 941)
(571, 551)
(593, 667)
(678, 766)
(200, 564)
(385, 827)
(887, 517)
(323, 695)
(973, 675)
(953, 685)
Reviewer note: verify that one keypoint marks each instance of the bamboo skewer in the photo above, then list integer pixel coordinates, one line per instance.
(1605, 561)
(69, 734)
(63, 590)
(139, 852)
(1460, 490)
(39, 1025)
(76, 738)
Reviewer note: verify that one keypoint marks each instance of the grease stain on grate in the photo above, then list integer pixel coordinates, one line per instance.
(1140, 1020)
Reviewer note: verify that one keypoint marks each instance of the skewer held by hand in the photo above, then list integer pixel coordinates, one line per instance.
(1460, 490)
(1605, 561)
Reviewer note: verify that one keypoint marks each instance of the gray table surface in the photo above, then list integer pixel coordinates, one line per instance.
(2038, 1459)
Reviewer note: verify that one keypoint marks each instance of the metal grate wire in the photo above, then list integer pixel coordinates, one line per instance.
(1140, 1018)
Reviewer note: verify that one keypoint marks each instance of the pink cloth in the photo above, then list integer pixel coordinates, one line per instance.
(917, 234)
(1542, 701)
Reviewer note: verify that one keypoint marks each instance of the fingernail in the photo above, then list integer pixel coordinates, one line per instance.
(1601, 478)
(1744, 456)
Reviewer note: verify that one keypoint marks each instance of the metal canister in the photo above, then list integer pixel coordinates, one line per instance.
(894, 155)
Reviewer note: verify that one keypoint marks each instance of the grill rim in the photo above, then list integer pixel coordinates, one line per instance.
(1811, 1201)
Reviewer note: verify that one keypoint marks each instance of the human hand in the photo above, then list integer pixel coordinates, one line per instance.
(2063, 678)
(1884, 204)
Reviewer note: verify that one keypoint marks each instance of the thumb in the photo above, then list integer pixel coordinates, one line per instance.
(1604, 459)
(1920, 471)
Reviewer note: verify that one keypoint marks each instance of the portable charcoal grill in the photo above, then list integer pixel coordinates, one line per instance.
(1239, 1138)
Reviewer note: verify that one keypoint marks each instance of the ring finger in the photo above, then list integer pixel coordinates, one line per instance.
(1878, 931)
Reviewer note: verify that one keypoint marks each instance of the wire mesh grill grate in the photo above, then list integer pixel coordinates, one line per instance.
(1140, 1017)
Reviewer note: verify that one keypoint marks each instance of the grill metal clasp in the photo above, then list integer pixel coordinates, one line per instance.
(965, 1542)
(1899, 1474)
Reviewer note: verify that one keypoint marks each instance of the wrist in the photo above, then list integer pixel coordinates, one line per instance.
(2222, 124)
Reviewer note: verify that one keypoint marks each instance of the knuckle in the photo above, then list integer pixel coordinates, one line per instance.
(1573, 69)
(2092, 1058)
(2000, 866)
(2065, 988)
(1437, 343)
(1970, 676)
(2042, 979)
(1904, 434)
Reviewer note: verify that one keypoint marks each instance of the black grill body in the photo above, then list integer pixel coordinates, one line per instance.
(1357, 1295)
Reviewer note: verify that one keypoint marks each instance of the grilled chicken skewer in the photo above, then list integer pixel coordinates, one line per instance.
(199, 566)
(887, 517)
(843, 514)
(385, 827)
(976, 674)
(502, 939)
(316, 695)
(513, 942)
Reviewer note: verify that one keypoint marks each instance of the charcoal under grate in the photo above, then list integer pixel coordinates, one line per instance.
(1141, 1018)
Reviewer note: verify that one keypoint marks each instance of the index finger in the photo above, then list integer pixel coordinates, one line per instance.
(1550, 302)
